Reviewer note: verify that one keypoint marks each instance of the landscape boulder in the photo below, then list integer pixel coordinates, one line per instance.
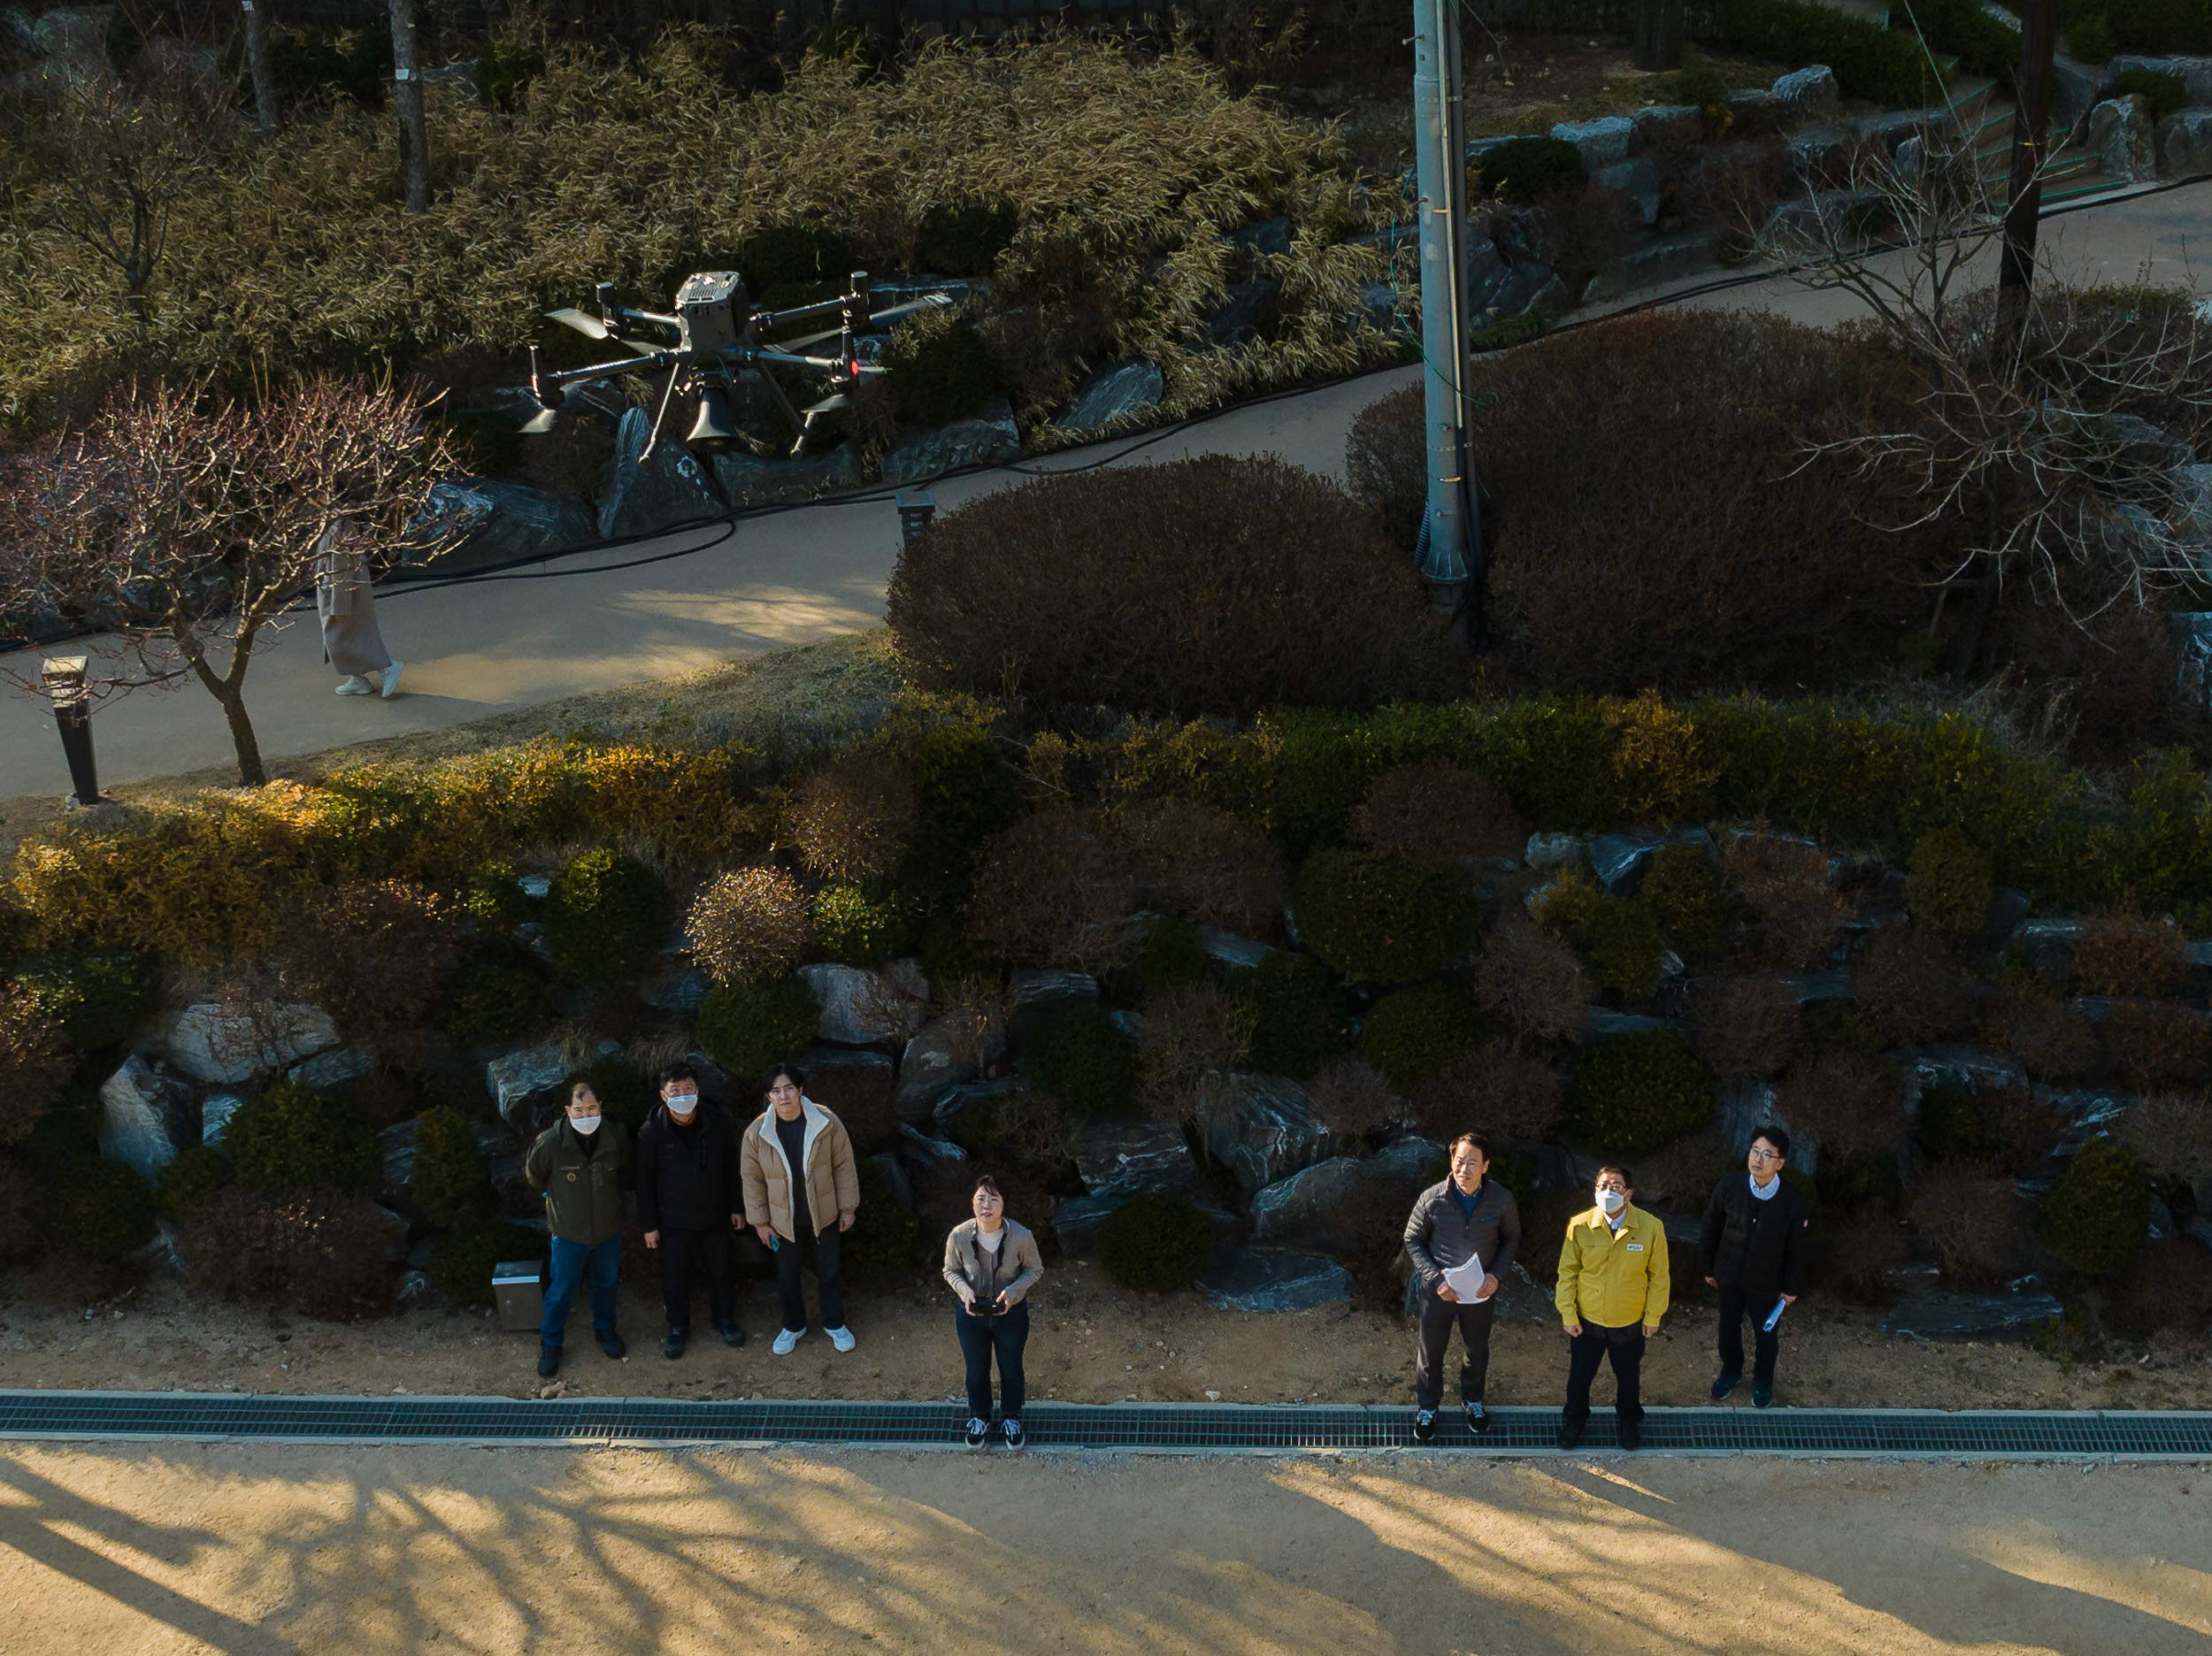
(215, 1113)
(1602, 141)
(1620, 860)
(861, 1006)
(341, 1066)
(1335, 1204)
(638, 496)
(230, 1041)
(1638, 181)
(682, 989)
(1119, 391)
(990, 439)
(2121, 136)
(1272, 1279)
(747, 480)
(515, 1079)
(1264, 1130)
(1122, 1158)
(939, 1055)
(1807, 95)
(1036, 997)
(1983, 1318)
(145, 1118)
(2185, 141)
(1665, 126)
(490, 520)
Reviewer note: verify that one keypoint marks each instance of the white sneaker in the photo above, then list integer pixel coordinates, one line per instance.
(391, 679)
(842, 1339)
(786, 1341)
(356, 686)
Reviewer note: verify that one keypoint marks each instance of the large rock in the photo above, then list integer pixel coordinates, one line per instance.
(1269, 237)
(748, 480)
(856, 1086)
(1122, 391)
(934, 1164)
(941, 1054)
(638, 496)
(490, 520)
(1602, 141)
(1547, 851)
(2194, 73)
(1243, 308)
(1819, 154)
(517, 1077)
(990, 439)
(2049, 947)
(1638, 181)
(1266, 1130)
(398, 1143)
(1751, 110)
(230, 1041)
(1036, 997)
(2120, 135)
(145, 1118)
(1272, 1279)
(2074, 89)
(1665, 126)
(215, 1113)
(1076, 1220)
(954, 1103)
(679, 989)
(1653, 263)
(2185, 142)
(1807, 95)
(893, 1172)
(1517, 289)
(1974, 1069)
(1231, 952)
(339, 1067)
(2193, 652)
(2193, 482)
(1982, 1318)
(1621, 860)
(1330, 1205)
(861, 1006)
(1124, 1158)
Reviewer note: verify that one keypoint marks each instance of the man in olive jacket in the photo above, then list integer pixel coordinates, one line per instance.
(1465, 1218)
(582, 1162)
(1753, 1249)
(802, 1190)
(690, 1198)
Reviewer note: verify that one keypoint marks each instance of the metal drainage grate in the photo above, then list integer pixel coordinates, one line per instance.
(2025, 1434)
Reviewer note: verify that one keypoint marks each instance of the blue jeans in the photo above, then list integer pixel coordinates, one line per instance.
(570, 1260)
(982, 1338)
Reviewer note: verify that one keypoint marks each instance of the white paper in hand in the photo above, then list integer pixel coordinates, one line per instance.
(1466, 1280)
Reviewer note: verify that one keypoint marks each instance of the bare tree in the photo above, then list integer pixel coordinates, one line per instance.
(181, 525)
(265, 91)
(2030, 422)
(414, 127)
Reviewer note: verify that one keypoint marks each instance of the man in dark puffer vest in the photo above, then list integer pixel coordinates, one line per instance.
(1753, 1251)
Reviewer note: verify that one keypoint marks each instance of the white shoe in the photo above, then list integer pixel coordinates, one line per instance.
(391, 679)
(842, 1339)
(786, 1341)
(356, 686)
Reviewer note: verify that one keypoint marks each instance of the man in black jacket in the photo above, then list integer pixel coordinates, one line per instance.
(1464, 1219)
(690, 1198)
(1753, 1250)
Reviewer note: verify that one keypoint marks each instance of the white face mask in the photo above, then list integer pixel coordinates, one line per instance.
(683, 1103)
(584, 1124)
(1612, 1200)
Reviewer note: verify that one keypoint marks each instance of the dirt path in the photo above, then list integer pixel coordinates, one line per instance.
(254, 1548)
(1090, 1344)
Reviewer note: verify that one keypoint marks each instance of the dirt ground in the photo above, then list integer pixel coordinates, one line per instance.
(258, 1548)
(1089, 1343)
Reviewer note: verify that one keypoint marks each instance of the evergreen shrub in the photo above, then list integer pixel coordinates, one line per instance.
(450, 1186)
(1173, 954)
(1084, 1060)
(290, 1137)
(1959, 1125)
(1637, 1091)
(878, 1251)
(462, 1261)
(1617, 938)
(1301, 1018)
(1684, 895)
(1413, 1033)
(95, 997)
(747, 1023)
(941, 374)
(2165, 95)
(1381, 917)
(1530, 169)
(605, 917)
(197, 1173)
(495, 900)
(860, 926)
(1155, 1243)
(965, 793)
(34, 1065)
(966, 240)
(2098, 1213)
(1949, 884)
(490, 1005)
(99, 1210)
(2181, 27)
(2089, 39)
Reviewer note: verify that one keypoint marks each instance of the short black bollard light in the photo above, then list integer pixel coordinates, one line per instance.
(917, 507)
(73, 716)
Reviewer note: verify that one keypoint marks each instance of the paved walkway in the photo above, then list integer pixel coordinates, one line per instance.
(582, 623)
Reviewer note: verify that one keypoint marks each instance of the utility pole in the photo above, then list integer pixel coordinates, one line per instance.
(414, 128)
(2024, 206)
(265, 92)
(1450, 554)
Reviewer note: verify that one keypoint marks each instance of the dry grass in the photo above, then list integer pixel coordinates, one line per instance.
(1783, 885)
(1532, 980)
(1350, 1097)
(1496, 1090)
(1967, 1213)
(1194, 1038)
(1847, 1106)
(2051, 1039)
(1052, 890)
(1911, 987)
(1746, 1028)
(2159, 1045)
(2172, 1133)
(1440, 816)
(2120, 954)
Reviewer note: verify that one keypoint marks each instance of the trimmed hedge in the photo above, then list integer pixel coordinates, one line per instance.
(622, 1093)
(1381, 917)
(1869, 61)
(197, 1173)
(1301, 1019)
(97, 997)
(450, 1186)
(487, 1004)
(1684, 895)
(2097, 1215)
(1529, 169)
(860, 927)
(1412, 1034)
(605, 917)
(291, 1138)
(1155, 1243)
(1636, 1092)
(1084, 1060)
(749, 1022)
(99, 1210)
(2179, 26)
(1173, 953)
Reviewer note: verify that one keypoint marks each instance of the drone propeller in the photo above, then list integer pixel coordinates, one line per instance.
(589, 325)
(540, 423)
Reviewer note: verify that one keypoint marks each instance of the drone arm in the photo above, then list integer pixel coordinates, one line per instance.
(601, 370)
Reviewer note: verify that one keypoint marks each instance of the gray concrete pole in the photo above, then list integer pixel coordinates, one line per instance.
(1448, 548)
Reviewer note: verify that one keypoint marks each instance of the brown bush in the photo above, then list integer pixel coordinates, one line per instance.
(2105, 681)
(1212, 586)
(2172, 1136)
(1387, 464)
(1860, 1253)
(2168, 1289)
(1911, 988)
(2051, 1039)
(34, 1063)
(1682, 1176)
(384, 1097)
(1848, 1107)
(1730, 185)
(2159, 1045)
(1349, 1097)
(852, 818)
(1439, 816)
(1204, 864)
(374, 953)
(1194, 1038)
(1533, 979)
(2120, 954)
(19, 1196)
(1745, 1028)
(1053, 891)
(751, 923)
(1969, 1215)
(1496, 1090)
(322, 1253)
(1783, 884)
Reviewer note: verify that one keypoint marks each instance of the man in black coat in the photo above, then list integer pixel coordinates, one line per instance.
(690, 1196)
(1753, 1250)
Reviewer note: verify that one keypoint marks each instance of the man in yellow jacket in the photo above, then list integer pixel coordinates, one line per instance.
(1612, 1293)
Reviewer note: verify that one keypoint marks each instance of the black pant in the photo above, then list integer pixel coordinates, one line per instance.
(980, 1335)
(1437, 1317)
(1625, 1347)
(679, 1250)
(827, 1277)
(1734, 1302)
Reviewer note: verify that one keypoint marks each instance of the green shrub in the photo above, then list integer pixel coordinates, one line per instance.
(878, 1251)
(1173, 953)
(941, 374)
(99, 1210)
(97, 997)
(1529, 169)
(966, 795)
(1381, 917)
(965, 241)
(1618, 939)
(1983, 44)
(290, 1138)
(461, 1262)
(450, 1186)
(2089, 39)
(69, 1127)
(1301, 1018)
(1084, 1060)
(2165, 95)
(1554, 758)
(1684, 895)
(2098, 1213)
(1869, 61)
(1155, 1243)
(1633, 1092)
(1949, 883)
(197, 1173)
(1701, 85)
(495, 901)
(605, 917)
(858, 927)
(1959, 1125)
(1414, 1032)
(749, 1022)
(490, 1005)
(793, 264)
(622, 1094)
(2179, 26)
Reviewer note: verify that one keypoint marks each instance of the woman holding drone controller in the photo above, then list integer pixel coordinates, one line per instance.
(992, 1263)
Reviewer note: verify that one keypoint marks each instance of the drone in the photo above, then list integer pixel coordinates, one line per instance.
(713, 338)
